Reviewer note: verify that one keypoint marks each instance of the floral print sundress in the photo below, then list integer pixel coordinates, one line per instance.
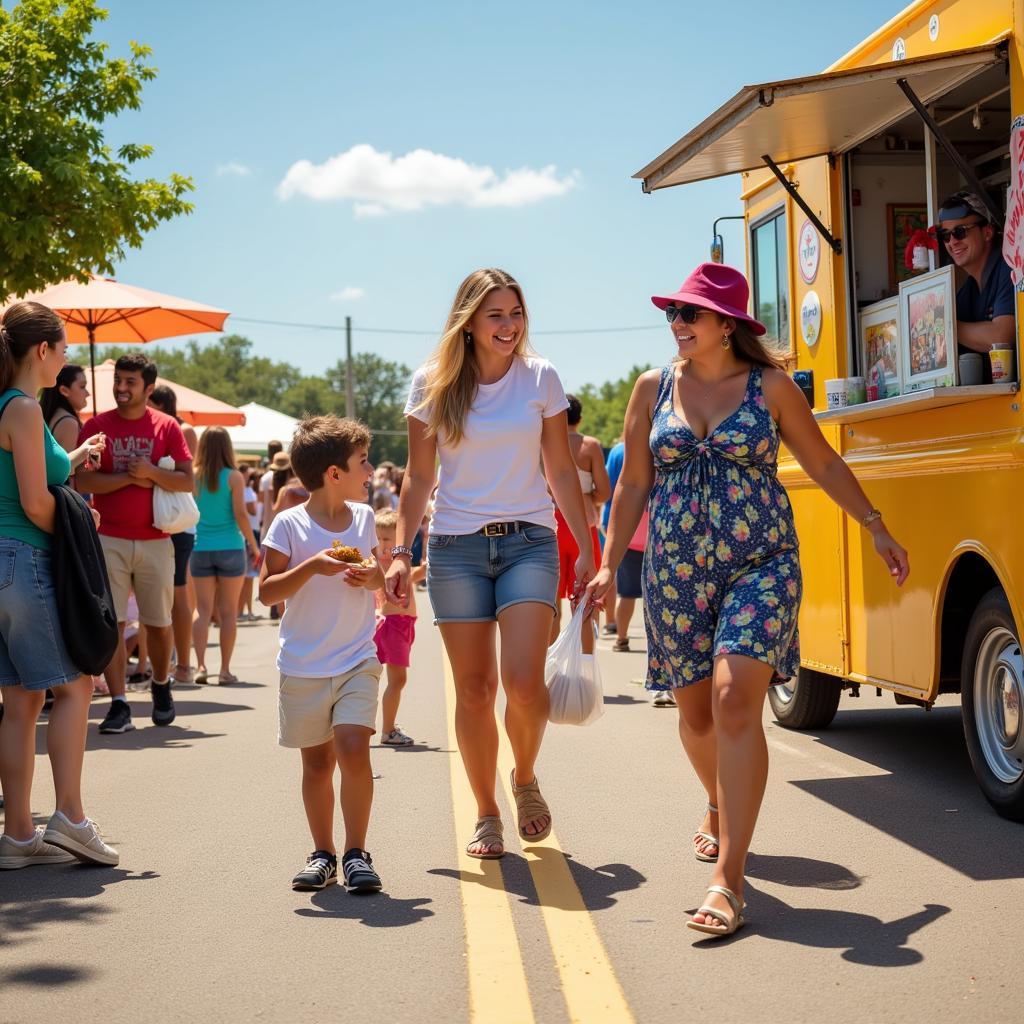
(722, 566)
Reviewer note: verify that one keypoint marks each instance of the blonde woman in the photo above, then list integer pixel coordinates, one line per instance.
(218, 561)
(489, 410)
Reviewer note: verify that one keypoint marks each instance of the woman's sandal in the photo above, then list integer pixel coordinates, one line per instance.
(530, 806)
(702, 838)
(621, 644)
(489, 833)
(226, 679)
(202, 677)
(729, 924)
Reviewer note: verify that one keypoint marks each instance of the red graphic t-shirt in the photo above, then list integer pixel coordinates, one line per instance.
(128, 513)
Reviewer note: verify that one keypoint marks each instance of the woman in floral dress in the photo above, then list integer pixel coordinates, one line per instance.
(722, 584)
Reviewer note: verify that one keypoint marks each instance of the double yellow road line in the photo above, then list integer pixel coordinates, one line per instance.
(498, 986)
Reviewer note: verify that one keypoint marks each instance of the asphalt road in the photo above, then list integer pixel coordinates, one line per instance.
(882, 888)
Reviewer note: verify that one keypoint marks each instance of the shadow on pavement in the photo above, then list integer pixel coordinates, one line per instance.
(36, 897)
(145, 736)
(46, 975)
(413, 748)
(623, 698)
(929, 799)
(374, 910)
(863, 939)
(801, 872)
(597, 886)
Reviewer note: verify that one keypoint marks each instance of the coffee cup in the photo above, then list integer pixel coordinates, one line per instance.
(1002, 356)
(837, 393)
(970, 368)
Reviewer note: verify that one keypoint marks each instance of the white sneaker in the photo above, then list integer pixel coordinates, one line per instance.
(664, 699)
(22, 855)
(83, 841)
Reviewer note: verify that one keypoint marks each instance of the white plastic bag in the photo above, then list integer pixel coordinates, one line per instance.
(572, 677)
(173, 511)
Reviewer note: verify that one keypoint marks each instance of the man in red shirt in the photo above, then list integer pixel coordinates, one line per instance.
(139, 557)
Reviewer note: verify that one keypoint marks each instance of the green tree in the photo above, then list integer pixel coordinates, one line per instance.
(70, 206)
(604, 406)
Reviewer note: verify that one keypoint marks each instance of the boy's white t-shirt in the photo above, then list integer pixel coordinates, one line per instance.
(327, 627)
(494, 474)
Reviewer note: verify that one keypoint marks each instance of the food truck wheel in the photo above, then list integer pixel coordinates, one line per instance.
(807, 702)
(992, 702)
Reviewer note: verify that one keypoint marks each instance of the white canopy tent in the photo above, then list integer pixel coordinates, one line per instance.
(261, 426)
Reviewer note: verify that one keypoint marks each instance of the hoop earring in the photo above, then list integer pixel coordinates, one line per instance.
(726, 341)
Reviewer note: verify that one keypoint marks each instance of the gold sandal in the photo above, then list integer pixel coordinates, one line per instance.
(530, 806)
(707, 838)
(729, 924)
(489, 832)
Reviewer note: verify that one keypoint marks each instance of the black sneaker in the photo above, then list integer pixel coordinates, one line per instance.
(359, 874)
(163, 703)
(321, 870)
(119, 718)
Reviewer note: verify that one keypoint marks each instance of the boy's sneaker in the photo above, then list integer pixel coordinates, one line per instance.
(22, 855)
(163, 703)
(397, 738)
(359, 874)
(118, 719)
(321, 870)
(82, 841)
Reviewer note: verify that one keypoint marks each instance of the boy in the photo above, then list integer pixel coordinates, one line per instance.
(396, 631)
(329, 668)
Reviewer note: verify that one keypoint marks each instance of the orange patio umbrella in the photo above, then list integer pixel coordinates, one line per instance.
(193, 406)
(106, 312)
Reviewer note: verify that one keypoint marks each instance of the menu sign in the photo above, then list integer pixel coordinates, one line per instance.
(1013, 233)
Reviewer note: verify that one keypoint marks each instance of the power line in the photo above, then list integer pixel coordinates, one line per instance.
(433, 334)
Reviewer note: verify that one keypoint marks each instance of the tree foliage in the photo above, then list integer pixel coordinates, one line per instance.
(228, 370)
(70, 206)
(604, 406)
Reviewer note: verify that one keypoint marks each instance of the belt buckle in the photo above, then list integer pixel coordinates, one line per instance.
(496, 530)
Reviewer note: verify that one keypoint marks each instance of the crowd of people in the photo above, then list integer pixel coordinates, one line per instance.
(504, 509)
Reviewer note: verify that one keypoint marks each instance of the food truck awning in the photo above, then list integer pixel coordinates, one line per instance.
(806, 117)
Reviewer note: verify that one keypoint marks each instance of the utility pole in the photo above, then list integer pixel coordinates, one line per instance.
(350, 400)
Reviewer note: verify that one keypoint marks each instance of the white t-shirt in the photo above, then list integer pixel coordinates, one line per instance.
(327, 628)
(494, 474)
(249, 495)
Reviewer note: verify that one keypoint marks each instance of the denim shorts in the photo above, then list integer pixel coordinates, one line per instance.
(229, 562)
(32, 649)
(473, 578)
(183, 545)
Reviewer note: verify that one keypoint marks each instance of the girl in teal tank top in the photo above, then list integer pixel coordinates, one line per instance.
(33, 655)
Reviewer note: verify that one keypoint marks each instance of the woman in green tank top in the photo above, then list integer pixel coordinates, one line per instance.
(218, 562)
(33, 655)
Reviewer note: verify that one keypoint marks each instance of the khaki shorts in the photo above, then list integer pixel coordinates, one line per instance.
(309, 709)
(147, 567)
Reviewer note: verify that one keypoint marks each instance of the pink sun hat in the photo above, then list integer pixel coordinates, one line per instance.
(718, 287)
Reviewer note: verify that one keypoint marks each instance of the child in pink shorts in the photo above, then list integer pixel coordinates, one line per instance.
(396, 630)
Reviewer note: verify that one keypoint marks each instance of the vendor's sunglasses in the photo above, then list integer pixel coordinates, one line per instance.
(959, 232)
(688, 314)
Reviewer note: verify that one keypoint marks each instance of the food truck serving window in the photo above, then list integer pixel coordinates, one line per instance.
(769, 259)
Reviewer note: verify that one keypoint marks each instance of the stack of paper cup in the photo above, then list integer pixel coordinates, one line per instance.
(837, 394)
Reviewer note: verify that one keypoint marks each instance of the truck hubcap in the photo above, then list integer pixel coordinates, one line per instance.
(998, 694)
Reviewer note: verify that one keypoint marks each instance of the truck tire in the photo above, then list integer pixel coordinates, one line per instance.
(992, 704)
(807, 702)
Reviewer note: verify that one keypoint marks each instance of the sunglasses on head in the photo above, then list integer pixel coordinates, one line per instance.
(959, 232)
(688, 314)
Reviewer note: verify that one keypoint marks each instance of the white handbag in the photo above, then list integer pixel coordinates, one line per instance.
(173, 511)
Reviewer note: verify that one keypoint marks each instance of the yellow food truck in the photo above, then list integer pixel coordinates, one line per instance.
(839, 169)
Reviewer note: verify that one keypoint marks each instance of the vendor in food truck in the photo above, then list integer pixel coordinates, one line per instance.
(985, 302)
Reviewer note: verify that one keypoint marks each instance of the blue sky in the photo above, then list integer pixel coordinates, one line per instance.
(580, 94)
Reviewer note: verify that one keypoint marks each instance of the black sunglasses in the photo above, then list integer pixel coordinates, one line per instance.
(688, 314)
(959, 232)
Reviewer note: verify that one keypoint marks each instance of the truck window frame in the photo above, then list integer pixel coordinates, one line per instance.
(779, 212)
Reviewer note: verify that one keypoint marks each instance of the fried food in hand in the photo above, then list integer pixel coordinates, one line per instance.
(344, 553)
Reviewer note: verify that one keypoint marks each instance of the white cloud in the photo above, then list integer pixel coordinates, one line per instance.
(350, 293)
(233, 168)
(380, 183)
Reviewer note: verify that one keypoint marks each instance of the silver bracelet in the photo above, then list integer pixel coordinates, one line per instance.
(872, 517)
